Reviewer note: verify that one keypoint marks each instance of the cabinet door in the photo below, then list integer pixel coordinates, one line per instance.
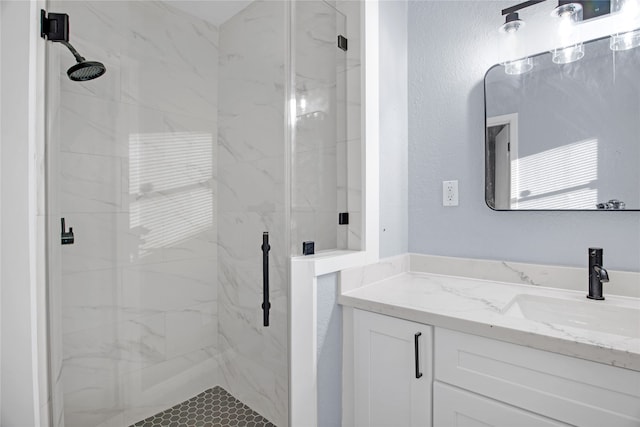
(453, 407)
(392, 385)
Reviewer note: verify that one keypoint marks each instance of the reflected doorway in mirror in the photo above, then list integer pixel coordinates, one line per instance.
(502, 161)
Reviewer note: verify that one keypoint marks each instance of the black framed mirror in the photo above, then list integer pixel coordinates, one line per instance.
(565, 136)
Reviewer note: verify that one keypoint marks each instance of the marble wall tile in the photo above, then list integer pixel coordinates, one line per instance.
(355, 231)
(120, 242)
(354, 104)
(191, 329)
(91, 299)
(169, 285)
(315, 185)
(238, 142)
(153, 389)
(93, 125)
(253, 361)
(190, 41)
(341, 176)
(354, 175)
(90, 183)
(98, 25)
(252, 186)
(144, 82)
(93, 401)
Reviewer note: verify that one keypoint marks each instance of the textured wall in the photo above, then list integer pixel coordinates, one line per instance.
(394, 217)
(447, 63)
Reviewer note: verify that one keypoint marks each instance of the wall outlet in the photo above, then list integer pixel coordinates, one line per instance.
(450, 193)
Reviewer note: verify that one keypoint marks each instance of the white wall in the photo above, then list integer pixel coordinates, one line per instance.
(23, 379)
(447, 63)
(394, 216)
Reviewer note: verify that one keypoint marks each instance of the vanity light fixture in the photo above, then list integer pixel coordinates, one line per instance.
(512, 21)
(512, 24)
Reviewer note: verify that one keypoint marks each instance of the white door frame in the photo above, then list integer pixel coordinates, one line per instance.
(512, 121)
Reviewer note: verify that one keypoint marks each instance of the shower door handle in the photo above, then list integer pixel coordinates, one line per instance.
(266, 305)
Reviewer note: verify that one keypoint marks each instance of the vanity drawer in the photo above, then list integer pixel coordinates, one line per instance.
(454, 407)
(564, 388)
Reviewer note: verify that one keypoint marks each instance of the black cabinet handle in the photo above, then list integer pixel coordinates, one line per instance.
(266, 305)
(416, 337)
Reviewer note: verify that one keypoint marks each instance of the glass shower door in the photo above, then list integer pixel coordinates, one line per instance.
(319, 163)
(169, 168)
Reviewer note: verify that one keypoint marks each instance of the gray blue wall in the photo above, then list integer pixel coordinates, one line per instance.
(446, 66)
(329, 333)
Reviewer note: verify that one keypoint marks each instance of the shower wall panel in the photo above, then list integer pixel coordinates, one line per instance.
(318, 127)
(135, 172)
(350, 143)
(251, 173)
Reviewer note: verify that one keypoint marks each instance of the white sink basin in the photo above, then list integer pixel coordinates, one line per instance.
(587, 315)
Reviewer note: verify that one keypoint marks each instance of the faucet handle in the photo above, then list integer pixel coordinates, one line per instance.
(602, 273)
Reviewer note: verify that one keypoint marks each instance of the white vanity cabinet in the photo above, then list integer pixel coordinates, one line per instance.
(478, 381)
(392, 371)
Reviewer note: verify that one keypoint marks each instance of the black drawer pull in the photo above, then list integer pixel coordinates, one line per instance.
(416, 337)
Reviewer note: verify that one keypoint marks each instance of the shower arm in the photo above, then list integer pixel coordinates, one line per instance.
(79, 58)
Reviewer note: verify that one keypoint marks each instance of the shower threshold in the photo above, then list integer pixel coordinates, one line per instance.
(214, 407)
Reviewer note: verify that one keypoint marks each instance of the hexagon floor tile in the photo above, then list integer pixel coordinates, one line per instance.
(211, 408)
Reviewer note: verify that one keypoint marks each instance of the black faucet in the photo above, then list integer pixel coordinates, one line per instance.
(597, 274)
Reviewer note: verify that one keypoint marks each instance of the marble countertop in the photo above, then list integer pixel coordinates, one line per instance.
(478, 307)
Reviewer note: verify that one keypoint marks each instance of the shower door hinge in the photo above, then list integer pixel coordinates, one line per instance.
(343, 218)
(342, 42)
(54, 27)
